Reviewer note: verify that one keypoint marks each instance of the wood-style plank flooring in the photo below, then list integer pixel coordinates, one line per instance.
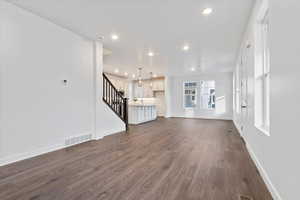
(167, 159)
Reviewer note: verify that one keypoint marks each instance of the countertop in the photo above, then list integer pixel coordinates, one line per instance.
(143, 105)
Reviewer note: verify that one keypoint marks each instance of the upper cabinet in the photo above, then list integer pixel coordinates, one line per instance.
(146, 91)
(132, 90)
(138, 91)
(158, 85)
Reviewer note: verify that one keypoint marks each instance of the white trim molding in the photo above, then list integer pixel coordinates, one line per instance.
(30, 154)
(274, 192)
(262, 171)
(40, 151)
(201, 117)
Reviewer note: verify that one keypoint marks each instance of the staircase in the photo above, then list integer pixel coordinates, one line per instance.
(115, 100)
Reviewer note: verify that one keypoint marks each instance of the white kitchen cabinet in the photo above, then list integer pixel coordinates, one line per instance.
(158, 85)
(146, 91)
(143, 92)
(138, 114)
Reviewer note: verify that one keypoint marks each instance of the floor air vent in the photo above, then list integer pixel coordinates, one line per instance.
(78, 139)
(243, 197)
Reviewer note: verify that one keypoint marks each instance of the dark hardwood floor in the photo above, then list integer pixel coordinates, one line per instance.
(167, 159)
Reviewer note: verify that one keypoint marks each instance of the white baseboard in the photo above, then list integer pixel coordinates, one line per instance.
(40, 151)
(274, 192)
(237, 127)
(25, 155)
(202, 117)
(97, 137)
(101, 134)
(115, 130)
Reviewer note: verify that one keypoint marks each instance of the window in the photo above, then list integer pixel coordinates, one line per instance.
(207, 95)
(206, 99)
(262, 72)
(234, 92)
(190, 94)
(237, 92)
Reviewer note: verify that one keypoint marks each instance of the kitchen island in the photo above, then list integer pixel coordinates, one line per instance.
(141, 113)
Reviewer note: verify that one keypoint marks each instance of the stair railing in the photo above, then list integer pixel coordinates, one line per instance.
(115, 100)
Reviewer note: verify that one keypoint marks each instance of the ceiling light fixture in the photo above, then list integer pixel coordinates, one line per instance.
(133, 75)
(116, 71)
(185, 47)
(114, 37)
(150, 54)
(193, 69)
(125, 74)
(154, 75)
(207, 11)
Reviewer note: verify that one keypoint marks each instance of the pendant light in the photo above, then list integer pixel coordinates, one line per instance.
(151, 80)
(140, 83)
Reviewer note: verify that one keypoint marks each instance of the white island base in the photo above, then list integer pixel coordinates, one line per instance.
(138, 114)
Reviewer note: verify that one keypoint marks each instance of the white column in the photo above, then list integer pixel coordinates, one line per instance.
(168, 94)
(98, 87)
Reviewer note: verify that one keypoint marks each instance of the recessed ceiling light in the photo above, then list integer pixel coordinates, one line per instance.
(114, 37)
(193, 69)
(126, 74)
(116, 71)
(154, 75)
(185, 47)
(207, 11)
(150, 54)
(133, 75)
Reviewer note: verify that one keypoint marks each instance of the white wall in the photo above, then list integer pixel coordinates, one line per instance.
(38, 111)
(223, 86)
(277, 155)
(1, 75)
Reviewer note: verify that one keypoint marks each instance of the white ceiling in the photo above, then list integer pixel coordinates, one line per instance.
(162, 26)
